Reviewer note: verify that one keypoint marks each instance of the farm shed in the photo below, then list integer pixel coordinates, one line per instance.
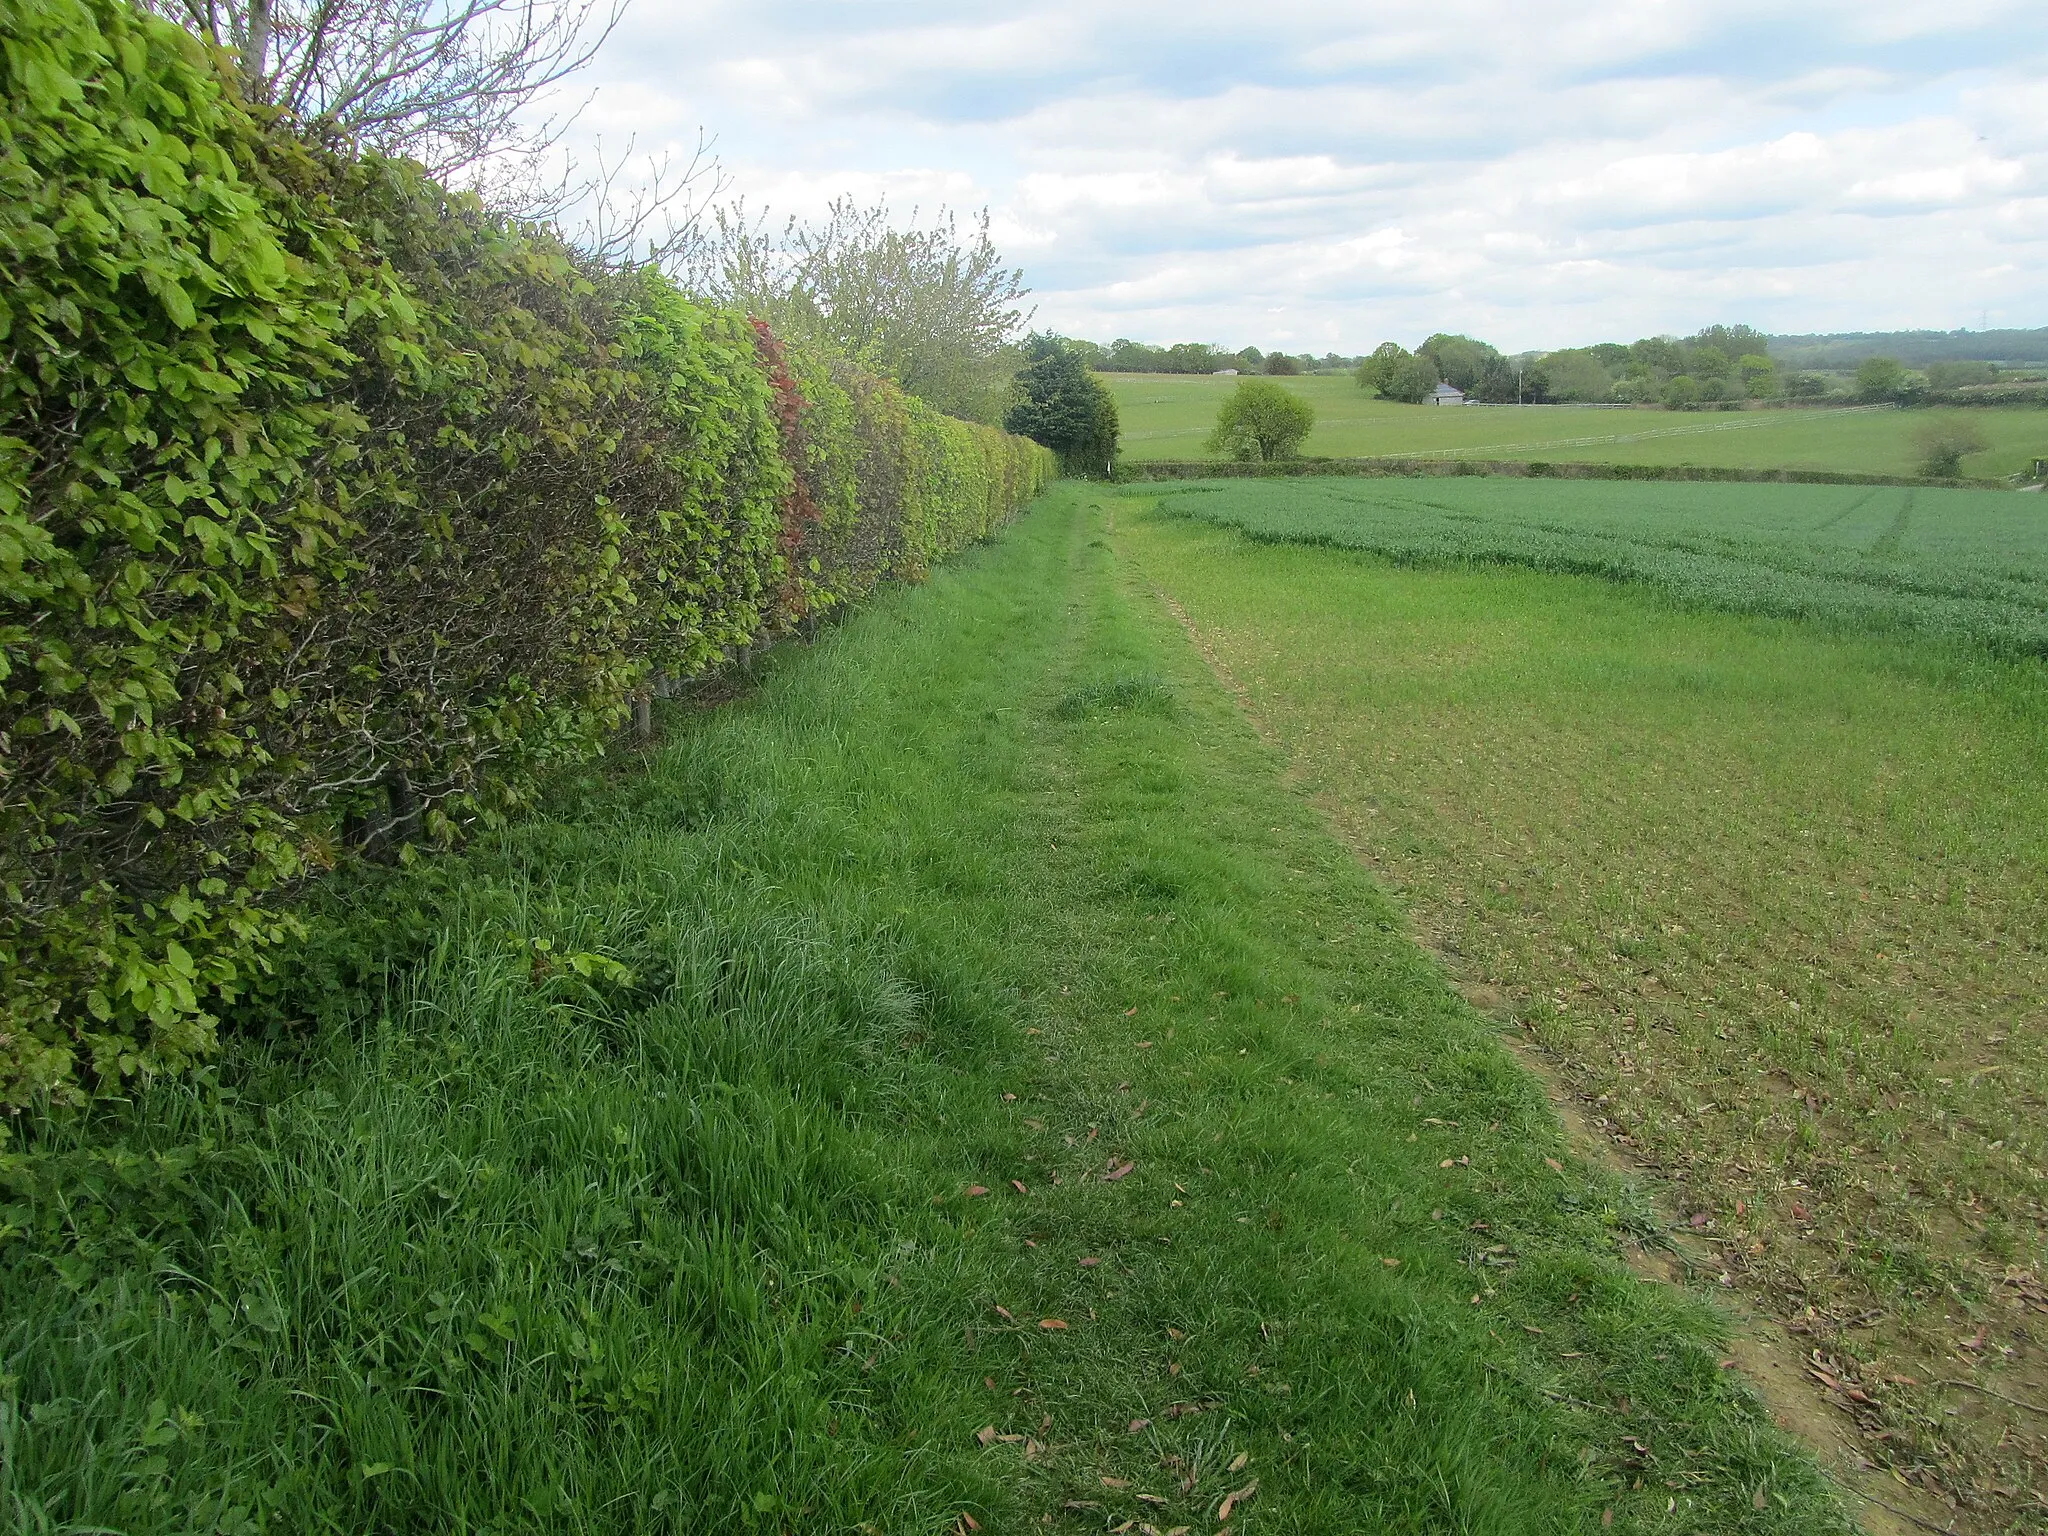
(1447, 394)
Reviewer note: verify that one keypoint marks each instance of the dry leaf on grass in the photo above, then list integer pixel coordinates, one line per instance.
(1118, 1171)
(1053, 1324)
(1233, 1499)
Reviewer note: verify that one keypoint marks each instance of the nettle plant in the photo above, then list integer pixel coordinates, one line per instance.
(335, 512)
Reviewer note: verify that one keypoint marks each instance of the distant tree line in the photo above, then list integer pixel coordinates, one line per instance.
(1914, 349)
(1126, 356)
(1720, 367)
(1722, 363)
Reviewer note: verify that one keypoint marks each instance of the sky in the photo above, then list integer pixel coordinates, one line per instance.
(1317, 176)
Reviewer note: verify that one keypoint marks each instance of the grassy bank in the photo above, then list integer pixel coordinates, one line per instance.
(1166, 416)
(955, 1081)
(1770, 897)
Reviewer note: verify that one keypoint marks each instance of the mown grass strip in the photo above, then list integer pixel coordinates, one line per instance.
(956, 1081)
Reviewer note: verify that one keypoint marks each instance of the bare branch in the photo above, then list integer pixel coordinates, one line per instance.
(444, 82)
(652, 220)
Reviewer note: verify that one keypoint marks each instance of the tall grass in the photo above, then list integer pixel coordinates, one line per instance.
(621, 1176)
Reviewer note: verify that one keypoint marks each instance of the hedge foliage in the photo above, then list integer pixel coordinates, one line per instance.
(335, 512)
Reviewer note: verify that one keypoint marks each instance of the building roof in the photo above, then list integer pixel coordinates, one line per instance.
(1445, 391)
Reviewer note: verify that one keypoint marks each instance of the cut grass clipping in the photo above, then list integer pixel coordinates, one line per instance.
(1770, 895)
(918, 1104)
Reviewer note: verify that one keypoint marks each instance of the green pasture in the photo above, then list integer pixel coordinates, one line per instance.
(953, 1087)
(1167, 416)
(1967, 565)
(1768, 894)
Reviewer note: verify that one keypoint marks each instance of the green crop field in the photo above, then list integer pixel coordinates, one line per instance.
(1969, 565)
(1768, 896)
(1167, 416)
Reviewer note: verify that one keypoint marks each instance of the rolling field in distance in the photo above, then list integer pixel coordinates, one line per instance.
(1769, 898)
(1966, 565)
(954, 1082)
(1167, 416)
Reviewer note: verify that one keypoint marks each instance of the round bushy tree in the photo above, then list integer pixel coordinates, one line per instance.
(1681, 392)
(1261, 421)
(1945, 442)
(1880, 378)
(1062, 405)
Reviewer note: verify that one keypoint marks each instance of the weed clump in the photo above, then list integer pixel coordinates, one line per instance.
(1125, 694)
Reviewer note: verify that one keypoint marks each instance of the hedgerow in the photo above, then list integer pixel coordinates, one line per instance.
(335, 512)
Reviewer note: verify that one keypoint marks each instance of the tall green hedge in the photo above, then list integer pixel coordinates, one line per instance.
(334, 512)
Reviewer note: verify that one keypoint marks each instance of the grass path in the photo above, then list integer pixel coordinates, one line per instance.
(1770, 898)
(955, 1088)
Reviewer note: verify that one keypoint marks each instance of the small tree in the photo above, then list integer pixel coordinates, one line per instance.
(1261, 421)
(1880, 378)
(1944, 442)
(1681, 392)
(1061, 404)
(1281, 363)
(927, 304)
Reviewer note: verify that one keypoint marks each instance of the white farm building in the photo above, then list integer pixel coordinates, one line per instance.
(1447, 394)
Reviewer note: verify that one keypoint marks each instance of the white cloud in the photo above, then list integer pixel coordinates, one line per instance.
(1318, 172)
